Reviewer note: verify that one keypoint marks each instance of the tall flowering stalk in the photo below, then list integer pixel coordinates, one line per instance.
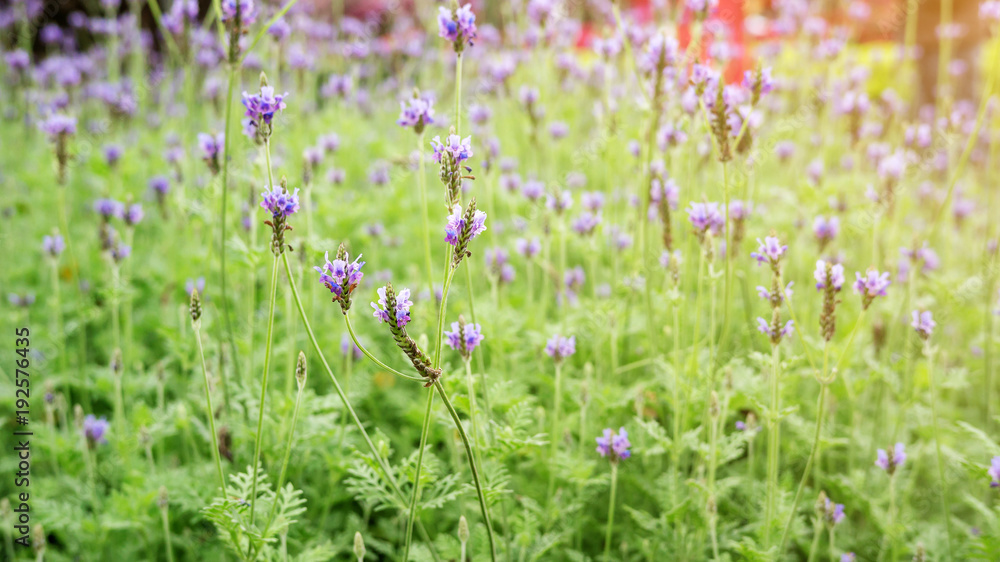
(281, 204)
(923, 323)
(559, 348)
(195, 310)
(770, 252)
(417, 113)
(616, 448)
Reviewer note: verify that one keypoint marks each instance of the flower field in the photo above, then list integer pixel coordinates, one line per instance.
(526, 281)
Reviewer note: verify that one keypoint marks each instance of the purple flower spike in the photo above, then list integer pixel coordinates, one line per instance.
(341, 276)
(95, 430)
(769, 251)
(109, 208)
(260, 110)
(994, 472)
(705, 217)
(457, 148)
(53, 245)
(401, 314)
(923, 323)
(890, 464)
(280, 202)
(457, 26)
(872, 285)
(614, 446)
(560, 348)
(416, 112)
(835, 279)
(464, 338)
(58, 125)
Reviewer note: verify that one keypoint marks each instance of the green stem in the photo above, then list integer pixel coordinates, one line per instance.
(383, 465)
(211, 414)
(773, 444)
(233, 70)
(263, 386)
(165, 516)
(809, 462)
(422, 182)
(556, 430)
(383, 366)
(288, 454)
(473, 466)
(415, 496)
(929, 354)
(611, 512)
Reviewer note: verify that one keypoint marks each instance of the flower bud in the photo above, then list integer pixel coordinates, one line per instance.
(463, 530)
(300, 370)
(359, 546)
(195, 309)
(164, 499)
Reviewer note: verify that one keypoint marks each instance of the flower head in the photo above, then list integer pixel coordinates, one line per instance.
(260, 110)
(416, 112)
(769, 251)
(890, 463)
(280, 202)
(341, 276)
(95, 430)
(872, 284)
(464, 338)
(825, 229)
(455, 149)
(994, 472)
(832, 278)
(463, 227)
(457, 25)
(400, 315)
(559, 347)
(109, 208)
(923, 323)
(833, 512)
(53, 245)
(58, 125)
(705, 217)
(614, 445)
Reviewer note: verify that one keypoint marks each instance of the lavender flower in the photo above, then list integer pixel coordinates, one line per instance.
(133, 215)
(109, 208)
(767, 328)
(243, 8)
(769, 251)
(706, 217)
(457, 25)
(394, 310)
(829, 275)
(890, 464)
(53, 245)
(462, 228)
(191, 285)
(528, 248)
(416, 112)
(825, 230)
(923, 323)
(454, 149)
(260, 110)
(341, 276)
(833, 512)
(95, 430)
(614, 446)
(58, 126)
(994, 472)
(872, 285)
(559, 347)
(281, 204)
(559, 202)
(464, 338)
(212, 147)
(401, 313)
